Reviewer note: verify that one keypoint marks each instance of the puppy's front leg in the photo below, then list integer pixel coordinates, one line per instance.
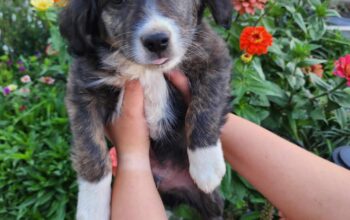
(205, 116)
(90, 160)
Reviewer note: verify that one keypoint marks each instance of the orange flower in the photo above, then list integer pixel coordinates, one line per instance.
(316, 69)
(255, 40)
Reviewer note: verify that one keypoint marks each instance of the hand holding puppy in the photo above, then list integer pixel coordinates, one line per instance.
(129, 132)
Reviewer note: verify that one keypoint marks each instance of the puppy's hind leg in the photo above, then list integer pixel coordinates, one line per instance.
(91, 161)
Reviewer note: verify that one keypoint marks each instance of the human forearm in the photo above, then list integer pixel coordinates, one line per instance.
(299, 183)
(134, 192)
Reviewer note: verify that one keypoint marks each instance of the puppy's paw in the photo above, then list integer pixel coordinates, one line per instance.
(94, 199)
(207, 166)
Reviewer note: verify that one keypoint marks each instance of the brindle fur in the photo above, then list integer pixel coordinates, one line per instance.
(207, 65)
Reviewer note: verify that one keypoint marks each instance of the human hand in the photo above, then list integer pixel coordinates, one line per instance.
(129, 132)
(180, 81)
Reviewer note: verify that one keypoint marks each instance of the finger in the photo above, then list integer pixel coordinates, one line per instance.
(133, 98)
(180, 81)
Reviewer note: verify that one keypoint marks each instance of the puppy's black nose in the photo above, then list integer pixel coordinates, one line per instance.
(156, 43)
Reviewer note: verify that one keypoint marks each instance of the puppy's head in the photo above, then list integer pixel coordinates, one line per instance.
(153, 33)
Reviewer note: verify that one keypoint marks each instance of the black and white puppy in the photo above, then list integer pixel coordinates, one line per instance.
(113, 41)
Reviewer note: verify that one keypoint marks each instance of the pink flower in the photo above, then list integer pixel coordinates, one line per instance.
(47, 80)
(25, 79)
(342, 68)
(24, 91)
(248, 6)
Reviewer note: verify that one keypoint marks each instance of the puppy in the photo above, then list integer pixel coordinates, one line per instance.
(113, 41)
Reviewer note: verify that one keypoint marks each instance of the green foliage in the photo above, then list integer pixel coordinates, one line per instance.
(36, 179)
(21, 30)
(275, 91)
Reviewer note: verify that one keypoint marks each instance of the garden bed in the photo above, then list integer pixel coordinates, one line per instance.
(291, 89)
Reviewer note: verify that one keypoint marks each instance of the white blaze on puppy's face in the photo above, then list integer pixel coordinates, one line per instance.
(154, 22)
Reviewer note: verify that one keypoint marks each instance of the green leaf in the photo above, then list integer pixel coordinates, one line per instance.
(333, 13)
(186, 213)
(317, 27)
(258, 68)
(318, 114)
(251, 216)
(342, 116)
(319, 82)
(311, 61)
(226, 183)
(298, 18)
(341, 98)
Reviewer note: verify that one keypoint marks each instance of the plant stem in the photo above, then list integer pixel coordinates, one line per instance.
(330, 91)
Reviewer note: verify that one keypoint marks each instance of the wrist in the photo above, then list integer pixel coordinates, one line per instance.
(134, 161)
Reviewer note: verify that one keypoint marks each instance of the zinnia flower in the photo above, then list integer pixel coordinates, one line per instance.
(22, 108)
(42, 5)
(255, 40)
(24, 91)
(248, 6)
(47, 80)
(50, 51)
(6, 91)
(21, 66)
(316, 69)
(342, 68)
(25, 79)
(247, 58)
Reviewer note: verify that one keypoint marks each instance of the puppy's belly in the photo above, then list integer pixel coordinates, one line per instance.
(170, 177)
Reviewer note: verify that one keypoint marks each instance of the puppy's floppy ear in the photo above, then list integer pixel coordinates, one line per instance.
(222, 11)
(79, 25)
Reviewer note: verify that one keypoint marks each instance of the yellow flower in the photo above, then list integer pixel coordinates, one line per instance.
(12, 87)
(42, 5)
(247, 58)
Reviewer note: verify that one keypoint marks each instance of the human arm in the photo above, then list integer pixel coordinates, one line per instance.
(134, 193)
(301, 184)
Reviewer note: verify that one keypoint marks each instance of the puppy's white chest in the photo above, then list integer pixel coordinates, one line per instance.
(157, 109)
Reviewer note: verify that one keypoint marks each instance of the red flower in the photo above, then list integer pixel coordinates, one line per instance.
(248, 6)
(255, 40)
(342, 68)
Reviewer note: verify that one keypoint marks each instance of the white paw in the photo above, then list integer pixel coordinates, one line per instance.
(94, 199)
(207, 167)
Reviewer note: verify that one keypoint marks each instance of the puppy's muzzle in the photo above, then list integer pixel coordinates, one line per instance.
(156, 42)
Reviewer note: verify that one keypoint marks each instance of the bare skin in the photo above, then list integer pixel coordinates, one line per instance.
(300, 184)
(134, 195)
